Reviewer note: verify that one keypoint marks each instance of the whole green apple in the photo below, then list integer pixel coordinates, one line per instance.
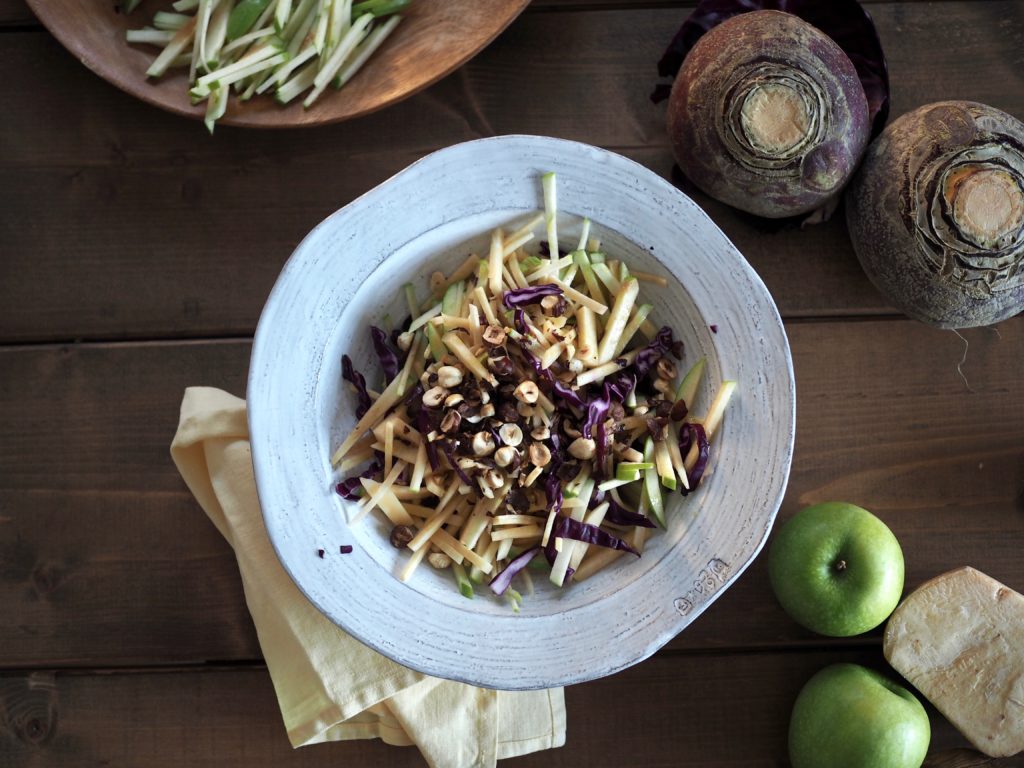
(847, 716)
(836, 569)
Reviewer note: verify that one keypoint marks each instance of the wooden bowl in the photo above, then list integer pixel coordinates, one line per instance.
(433, 39)
(348, 273)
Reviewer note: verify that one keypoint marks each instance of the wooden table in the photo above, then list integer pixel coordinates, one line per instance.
(137, 252)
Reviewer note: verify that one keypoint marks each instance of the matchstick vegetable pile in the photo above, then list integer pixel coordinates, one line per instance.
(536, 419)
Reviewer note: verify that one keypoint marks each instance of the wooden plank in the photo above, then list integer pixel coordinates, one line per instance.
(98, 537)
(16, 12)
(137, 193)
(670, 711)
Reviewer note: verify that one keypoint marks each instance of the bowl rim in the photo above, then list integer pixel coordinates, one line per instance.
(668, 629)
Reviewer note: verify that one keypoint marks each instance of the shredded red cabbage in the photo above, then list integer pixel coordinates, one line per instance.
(649, 356)
(619, 515)
(600, 450)
(355, 378)
(521, 297)
(615, 388)
(567, 528)
(503, 580)
(520, 322)
(423, 425)
(448, 446)
(689, 433)
(566, 392)
(388, 357)
(553, 484)
(597, 412)
(555, 431)
(348, 489)
(845, 21)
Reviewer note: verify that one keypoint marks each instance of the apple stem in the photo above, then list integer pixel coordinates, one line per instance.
(841, 565)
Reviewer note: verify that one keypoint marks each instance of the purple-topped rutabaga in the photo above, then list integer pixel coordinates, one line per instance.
(768, 115)
(936, 214)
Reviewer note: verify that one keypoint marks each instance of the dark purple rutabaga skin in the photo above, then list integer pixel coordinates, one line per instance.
(753, 53)
(901, 210)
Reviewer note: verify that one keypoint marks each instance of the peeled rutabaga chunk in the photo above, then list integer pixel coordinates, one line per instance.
(959, 639)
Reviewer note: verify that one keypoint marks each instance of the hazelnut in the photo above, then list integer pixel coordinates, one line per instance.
(451, 421)
(439, 560)
(679, 411)
(666, 369)
(616, 412)
(434, 396)
(657, 427)
(569, 470)
(482, 444)
(401, 535)
(494, 335)
(506, 456)
(510, 434)
(486, 411)
(549, 302)
(502, 366)
(517, 500)
(525, 410)
(507, 412)
(494, 478)
(453, 399)
(527, 392)
(663, 385)
(640, 410)
(539, 454)
(582, 448)
(404, 341)
(449, 376)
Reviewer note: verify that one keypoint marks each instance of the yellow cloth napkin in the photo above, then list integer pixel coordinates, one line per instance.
(331, 687)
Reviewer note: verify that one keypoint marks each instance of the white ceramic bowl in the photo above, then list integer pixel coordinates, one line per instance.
(347, 274)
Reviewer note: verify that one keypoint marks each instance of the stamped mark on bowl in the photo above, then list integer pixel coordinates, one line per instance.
(707, 582)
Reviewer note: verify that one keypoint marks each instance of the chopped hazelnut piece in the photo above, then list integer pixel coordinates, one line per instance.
(527, 392)
(401, 535)
(434, 396)
(582, 448)
(510, 434)
(451, 421)
(539, 454)
(494, 478)
(494, 335)
(449, 376)
(439, 560)
(506, 456)
(666, 369)
(483, 444)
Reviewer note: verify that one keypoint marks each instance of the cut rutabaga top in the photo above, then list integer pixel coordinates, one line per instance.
(959, 639)
(767, 114)
(936, 214)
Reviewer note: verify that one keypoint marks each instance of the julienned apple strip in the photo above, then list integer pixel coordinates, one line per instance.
(267, 45)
